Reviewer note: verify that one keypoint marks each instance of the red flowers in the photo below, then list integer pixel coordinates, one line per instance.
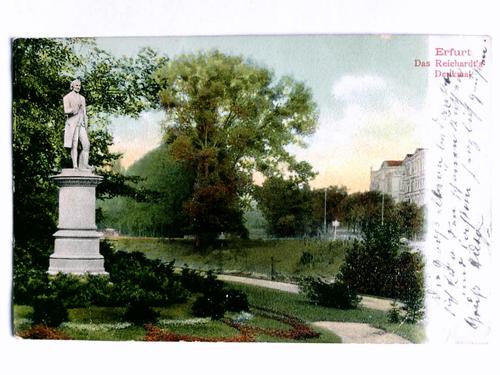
(42, 332)
(299, 331)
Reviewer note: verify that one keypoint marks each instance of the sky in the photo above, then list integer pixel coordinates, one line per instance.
(369, 95)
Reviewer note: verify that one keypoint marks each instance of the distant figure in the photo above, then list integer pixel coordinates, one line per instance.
(76, 126)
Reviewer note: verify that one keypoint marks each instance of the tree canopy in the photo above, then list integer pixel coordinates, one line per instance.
(228, 118)
(286, 205)
(42, 72)
(166, 184)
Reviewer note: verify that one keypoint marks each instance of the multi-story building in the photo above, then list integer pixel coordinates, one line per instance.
(388, 178)
(403, 179)
(413, 183)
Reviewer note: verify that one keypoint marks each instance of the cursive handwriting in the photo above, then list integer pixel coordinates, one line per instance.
(459, 229)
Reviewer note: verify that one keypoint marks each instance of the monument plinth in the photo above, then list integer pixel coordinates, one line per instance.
(76, 248)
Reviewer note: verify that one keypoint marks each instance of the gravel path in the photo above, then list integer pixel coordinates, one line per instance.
(368, 302)
(361, 333)
(350, 333)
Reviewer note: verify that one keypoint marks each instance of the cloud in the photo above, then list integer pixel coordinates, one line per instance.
(135, 137)
(343, 150)
(351, 87)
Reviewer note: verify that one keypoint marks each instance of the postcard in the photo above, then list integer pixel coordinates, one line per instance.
(331, 188)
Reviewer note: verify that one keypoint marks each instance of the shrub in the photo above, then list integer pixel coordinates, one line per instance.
(71, 290)
(49, 310)
(410, 289)
(210, 306)
(192, 280)
(236, 301)
(216, 300)
(370, 265)
(139, 313)
(337, 294)
(394, 314)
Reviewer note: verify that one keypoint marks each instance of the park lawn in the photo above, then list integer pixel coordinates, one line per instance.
(105, 323)
(297, 305)
(246, 256)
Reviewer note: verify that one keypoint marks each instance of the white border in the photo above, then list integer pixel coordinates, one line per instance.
(52, 18)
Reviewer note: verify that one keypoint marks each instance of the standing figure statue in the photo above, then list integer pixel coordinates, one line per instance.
(76, 126)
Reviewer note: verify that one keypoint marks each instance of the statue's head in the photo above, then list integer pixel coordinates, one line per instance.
(75, 85)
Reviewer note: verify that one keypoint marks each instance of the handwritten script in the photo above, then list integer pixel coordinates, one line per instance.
(460, 226)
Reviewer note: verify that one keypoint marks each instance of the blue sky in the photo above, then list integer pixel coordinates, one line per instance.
(369, 94)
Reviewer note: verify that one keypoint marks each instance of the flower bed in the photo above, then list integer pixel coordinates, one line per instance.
(156, 334)
(42, 332)
(299, 330)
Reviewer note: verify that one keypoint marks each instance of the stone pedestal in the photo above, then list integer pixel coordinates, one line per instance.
(76, 249)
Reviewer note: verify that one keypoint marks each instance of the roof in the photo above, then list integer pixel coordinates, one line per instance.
(393, 163)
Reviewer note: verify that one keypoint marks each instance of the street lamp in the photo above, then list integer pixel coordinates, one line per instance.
(324, 221)
(383, 196)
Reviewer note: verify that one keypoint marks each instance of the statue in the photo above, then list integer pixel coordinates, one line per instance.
(76, 126)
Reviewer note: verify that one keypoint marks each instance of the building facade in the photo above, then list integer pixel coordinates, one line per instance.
(413, 183)
(388, 179)
(403, 180)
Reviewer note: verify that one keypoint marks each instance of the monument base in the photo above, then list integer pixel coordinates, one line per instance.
(76, 249)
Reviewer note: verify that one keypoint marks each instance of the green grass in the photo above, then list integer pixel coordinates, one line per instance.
(298, 306)
(250, 256)
(209, 329)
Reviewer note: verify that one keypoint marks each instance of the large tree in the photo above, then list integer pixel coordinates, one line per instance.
(287, 206)
(42, 71)
(166, 184)
(334, 196)
(228, 118)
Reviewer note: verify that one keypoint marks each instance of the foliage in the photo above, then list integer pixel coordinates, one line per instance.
(360, 209)
(381, 265)
(286, 205)
(165, 184)
(247, 256)
(211, 305)
(299, 306)
(215, 300)
(236, 301)
(410, 288)
(227, 118)
(306, 258)
(41, 72)
(411, 219)
(139, 313)
(334, 197)
(138, 279)
(192, 279)
(336, 294)
(370, 265)
(394, 314)
(49, 310)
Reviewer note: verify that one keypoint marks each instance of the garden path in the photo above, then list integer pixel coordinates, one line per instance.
(366, 301)
(361, 333)
(350, 333)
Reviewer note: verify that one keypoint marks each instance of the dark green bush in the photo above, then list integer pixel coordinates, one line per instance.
(236, 301)
(216, 300)
(337, 294)
(410, 288)
(139, 313)
(370, 265)
(212, 305)
(192, 280)
(49, 310)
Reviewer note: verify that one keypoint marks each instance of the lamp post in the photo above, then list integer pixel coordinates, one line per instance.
(324, 221)
(383, 196)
